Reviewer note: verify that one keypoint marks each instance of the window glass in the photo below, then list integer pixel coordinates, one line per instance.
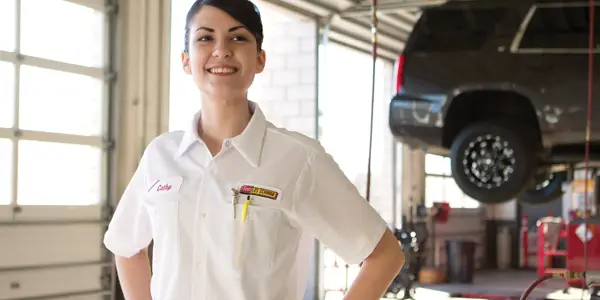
(52, 101)
(441, 187)
(58, 174)
(184, 96)
(559, 27)
(74, 35)
(434, 190)
(6, 182)
(7, 88)
(437, 165)
(7, 25)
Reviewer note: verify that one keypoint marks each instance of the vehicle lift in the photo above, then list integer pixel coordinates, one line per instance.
(582, 231)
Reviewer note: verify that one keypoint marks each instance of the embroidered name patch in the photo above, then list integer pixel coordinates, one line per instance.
(258, 191)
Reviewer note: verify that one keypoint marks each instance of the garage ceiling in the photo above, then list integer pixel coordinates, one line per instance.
(350, 21)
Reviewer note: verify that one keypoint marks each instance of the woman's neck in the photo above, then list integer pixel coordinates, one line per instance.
(221, 120)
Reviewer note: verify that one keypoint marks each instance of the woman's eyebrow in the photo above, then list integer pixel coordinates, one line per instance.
(205, 28)
(232, 29)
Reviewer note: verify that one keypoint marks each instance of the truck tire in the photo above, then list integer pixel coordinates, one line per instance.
(545, 190)
(493, 162)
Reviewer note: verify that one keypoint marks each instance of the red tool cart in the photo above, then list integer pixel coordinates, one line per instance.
(576, 243)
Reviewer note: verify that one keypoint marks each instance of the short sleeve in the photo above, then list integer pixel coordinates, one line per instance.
(130, 230)
(329, 206)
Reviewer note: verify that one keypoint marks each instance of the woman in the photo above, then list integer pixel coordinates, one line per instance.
(233, 203)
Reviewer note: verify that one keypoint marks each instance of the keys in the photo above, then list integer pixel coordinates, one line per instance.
(234, 199)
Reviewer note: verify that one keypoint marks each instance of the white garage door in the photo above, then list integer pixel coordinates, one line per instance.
(54, 104)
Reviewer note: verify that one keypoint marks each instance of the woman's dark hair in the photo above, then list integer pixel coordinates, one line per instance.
(244, 11)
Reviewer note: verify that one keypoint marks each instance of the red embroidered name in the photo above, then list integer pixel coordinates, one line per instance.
(161, 187)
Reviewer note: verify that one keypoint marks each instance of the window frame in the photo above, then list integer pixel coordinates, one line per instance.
(106, 74)
(444, 176)
(515, 46)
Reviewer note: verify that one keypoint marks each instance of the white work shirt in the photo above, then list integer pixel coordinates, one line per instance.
(180, 197)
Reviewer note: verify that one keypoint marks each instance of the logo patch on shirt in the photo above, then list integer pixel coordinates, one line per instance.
(259, 191)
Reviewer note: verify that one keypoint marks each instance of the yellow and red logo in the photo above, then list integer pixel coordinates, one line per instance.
(258, 191)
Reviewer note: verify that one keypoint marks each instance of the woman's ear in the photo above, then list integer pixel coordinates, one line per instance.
(261, 61)
(185, 61)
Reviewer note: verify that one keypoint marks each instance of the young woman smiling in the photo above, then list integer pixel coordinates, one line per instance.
(234, 203)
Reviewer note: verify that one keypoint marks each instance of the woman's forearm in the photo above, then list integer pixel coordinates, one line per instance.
(134, 276)
(378, 270)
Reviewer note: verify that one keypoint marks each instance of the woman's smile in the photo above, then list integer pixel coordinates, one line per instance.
(222, 70)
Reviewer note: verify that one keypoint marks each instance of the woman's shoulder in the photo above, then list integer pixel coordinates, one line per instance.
(284, 137)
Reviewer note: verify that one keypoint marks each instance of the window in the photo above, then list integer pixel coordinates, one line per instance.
(58, 157)
(564, 27)
(7, 25)
(6, 182)
(345, 135)
(58, 174)
(76, 99)
(184, 96)
(7, 92)
(441, 187)
(76, 37)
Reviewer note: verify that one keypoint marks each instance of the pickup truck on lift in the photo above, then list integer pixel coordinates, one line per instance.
(501, 87)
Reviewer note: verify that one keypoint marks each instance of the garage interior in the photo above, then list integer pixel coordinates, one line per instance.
(107, 79)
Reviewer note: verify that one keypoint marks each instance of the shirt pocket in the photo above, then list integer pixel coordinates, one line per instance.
(257, 239)
(163, 203)
(257, 230)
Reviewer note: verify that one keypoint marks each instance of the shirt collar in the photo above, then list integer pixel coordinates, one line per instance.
(249, 143)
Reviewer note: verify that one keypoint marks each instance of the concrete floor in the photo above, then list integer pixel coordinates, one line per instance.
(510, 284)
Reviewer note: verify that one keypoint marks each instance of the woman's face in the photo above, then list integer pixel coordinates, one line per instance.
(223, 57)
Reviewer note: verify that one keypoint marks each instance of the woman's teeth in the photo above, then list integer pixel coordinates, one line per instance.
(222, 70)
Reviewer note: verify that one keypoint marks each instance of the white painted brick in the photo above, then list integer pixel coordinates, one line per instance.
(285, 46)
(308, 44)
(300, 29)
(308, 76)
(285, 77)
(301, 60)
(262, 80)
(301, 92)
(301, 124)
(272, 31)
(287, 109)
(272, 93)
(308, 108)
(275, 61)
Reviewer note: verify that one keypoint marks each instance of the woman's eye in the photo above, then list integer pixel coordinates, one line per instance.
(240, 38)
(204, 38)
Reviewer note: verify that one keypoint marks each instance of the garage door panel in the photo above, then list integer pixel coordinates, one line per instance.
(71, 177)
(56, 281)
(89, 214)
(5, 213)
(81, 45)
(7, 23)
(50, 244)
(7, 91)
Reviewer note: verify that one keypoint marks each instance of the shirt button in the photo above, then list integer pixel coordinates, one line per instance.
(227, 143)
(203, 215)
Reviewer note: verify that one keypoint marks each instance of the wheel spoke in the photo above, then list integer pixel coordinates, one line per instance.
(489, 161)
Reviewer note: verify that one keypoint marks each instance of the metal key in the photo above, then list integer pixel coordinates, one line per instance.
(234, 197)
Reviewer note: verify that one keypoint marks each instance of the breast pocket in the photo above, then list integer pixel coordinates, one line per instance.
(163, 203)
(258, 238)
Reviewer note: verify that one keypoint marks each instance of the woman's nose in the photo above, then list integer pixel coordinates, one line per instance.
(221, 50)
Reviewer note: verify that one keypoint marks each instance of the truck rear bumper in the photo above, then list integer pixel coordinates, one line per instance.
(416, 121)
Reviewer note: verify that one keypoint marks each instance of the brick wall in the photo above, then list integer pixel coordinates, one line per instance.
(286, 90)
